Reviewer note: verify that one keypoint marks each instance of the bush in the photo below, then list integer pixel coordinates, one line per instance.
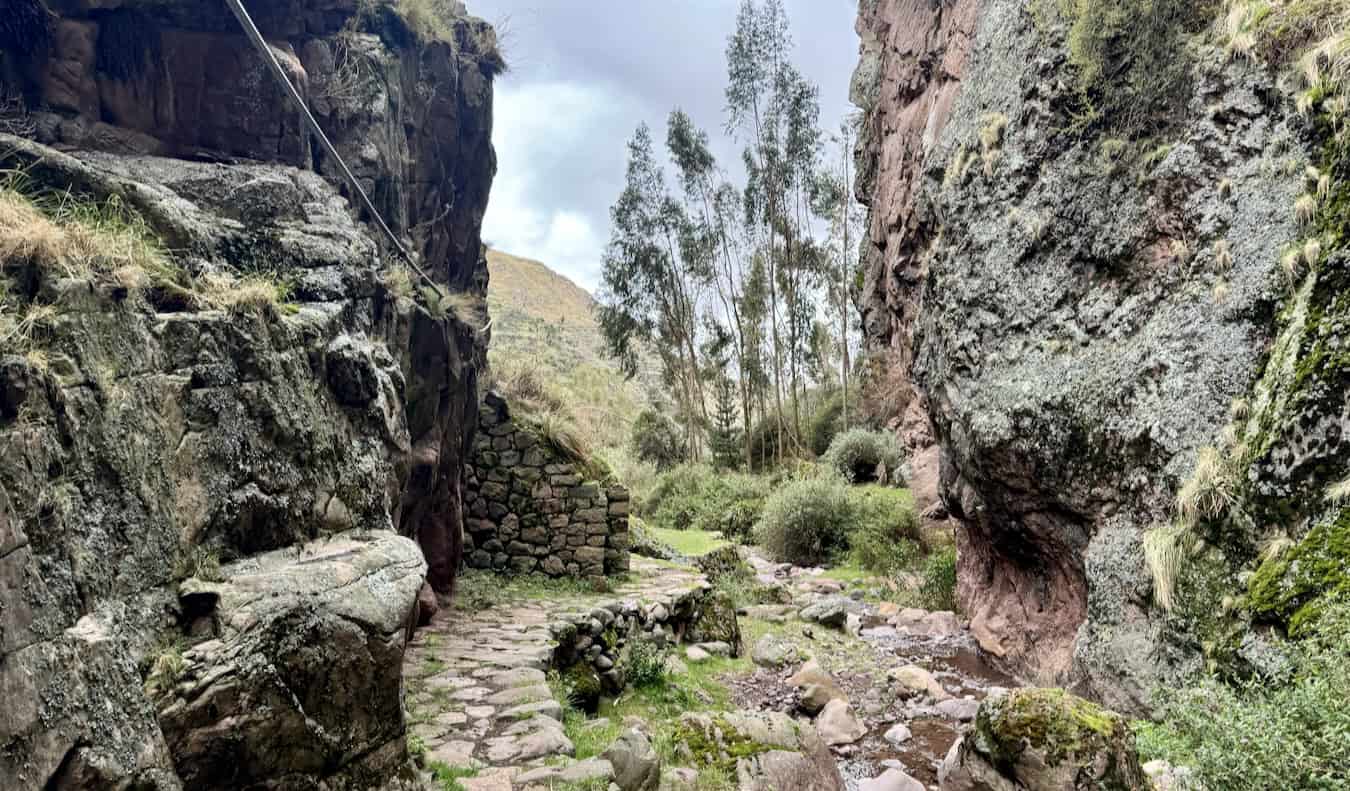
(938, 589)
(860, 455)
(644, 664)
(697, 497)
(887, 539)
(806, 522)
(656, 440)
(1265, 734)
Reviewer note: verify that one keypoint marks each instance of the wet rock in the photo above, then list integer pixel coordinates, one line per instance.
(891, 780)
(766, 752)
(637, 767)
(773, 651)
(1043, 740)
(837, 724)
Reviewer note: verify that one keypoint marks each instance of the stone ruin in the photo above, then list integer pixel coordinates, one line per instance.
(529, 507)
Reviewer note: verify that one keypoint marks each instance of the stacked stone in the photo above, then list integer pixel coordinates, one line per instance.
(528, 509)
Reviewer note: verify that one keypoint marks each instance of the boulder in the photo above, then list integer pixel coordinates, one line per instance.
(831, 611)
(837, 724)
(891, 780)
(920, 681)
(773, 651)
(637, 767)
(815, 687)
(898, 734)
(305, 677)
(546, 778)
(714, 621)
(696, 655)
(1043, 740)
(959, 709)
(766, 751)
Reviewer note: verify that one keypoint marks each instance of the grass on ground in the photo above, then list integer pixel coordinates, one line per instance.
(690, 542)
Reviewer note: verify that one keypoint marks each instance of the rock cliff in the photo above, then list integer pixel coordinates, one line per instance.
(214, 447)
(1073, 286)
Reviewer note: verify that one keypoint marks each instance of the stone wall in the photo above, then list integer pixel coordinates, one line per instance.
(530, 508)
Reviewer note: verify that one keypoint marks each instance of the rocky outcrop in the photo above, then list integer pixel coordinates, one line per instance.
(1075, 302)
(529, 506)
(159, 425)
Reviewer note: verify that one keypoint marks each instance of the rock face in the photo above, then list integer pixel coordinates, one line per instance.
(1044, 740)
(151, 436)
(1070, 314)
(529, 507)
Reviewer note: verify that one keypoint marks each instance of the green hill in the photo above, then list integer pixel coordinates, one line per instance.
(543, 322)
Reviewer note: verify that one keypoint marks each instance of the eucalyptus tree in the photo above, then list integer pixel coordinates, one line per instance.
(715, 204)
(649, 293)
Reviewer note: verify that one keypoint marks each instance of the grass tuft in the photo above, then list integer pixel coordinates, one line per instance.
(1211, 489)
(1165, 555)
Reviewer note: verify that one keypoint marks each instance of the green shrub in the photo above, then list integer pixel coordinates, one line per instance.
(1266, 734)
(806, 522)
(860, 455)
(764, 442)
(656, 440)
(697, 497)
(644, 664)
(938, 589)
(886, 539)
(826, 423)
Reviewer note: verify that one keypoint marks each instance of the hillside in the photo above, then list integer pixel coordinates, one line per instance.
(545, 322)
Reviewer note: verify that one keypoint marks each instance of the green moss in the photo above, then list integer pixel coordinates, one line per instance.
(719, 750)
(1292, 586)
(1060, 725)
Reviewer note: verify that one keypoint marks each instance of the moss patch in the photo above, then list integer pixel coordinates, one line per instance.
(1292, 586)
(1052, 721)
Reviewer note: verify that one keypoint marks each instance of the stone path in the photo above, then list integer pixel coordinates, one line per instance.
(478, 696)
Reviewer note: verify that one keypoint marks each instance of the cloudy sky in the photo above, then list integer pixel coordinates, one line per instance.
(585, 73)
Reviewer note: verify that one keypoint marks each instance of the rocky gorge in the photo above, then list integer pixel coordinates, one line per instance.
(215, 443)
(267, 520)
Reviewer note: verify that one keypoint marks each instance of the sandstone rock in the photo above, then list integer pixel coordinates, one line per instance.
(837, 724)
(766, 751)
(891, 780)
(637, 767)
(1043, 740)
(916, 679)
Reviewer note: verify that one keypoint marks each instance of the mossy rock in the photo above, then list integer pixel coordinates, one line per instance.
(722, 562)
(583, 687)
(715, 622)
(760, 750)
(1047, 738)
(1292, 586)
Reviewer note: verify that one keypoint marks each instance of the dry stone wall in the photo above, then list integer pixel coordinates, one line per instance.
(529, 508)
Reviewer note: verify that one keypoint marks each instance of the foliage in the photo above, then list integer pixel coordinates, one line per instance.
(827, 422)
(807, 521)
(166, 668)
(200, 563)
(861, 455)
(656, 440)
(1295, 581)
(886, 539)
(726, 435)
(1268, 733)
(937, 591)
(697, 497)
(447, 777)
(644, 663)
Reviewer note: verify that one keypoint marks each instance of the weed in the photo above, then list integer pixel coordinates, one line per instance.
(166, 669)
(1305, 208)
(1223, 255)
(200, 563)
(448, 777)
(1312, 251)
(991, 140)
(1339, 492)
(1210, 490)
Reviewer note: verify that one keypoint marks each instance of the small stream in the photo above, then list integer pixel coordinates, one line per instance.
(953, 659)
